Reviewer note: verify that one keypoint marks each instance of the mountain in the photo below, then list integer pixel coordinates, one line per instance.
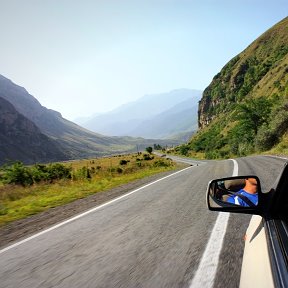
(27, 125)
(131, 118)
(22, 140)
(181, 118)
(245, 108)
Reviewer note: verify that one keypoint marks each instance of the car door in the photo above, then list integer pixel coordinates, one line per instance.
(265, 258)
(276, 226)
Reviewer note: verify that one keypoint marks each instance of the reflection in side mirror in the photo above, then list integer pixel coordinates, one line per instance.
(238, 191)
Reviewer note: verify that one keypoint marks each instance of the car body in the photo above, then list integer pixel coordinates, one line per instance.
(265, 258)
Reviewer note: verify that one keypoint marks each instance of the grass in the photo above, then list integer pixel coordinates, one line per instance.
(17, 202)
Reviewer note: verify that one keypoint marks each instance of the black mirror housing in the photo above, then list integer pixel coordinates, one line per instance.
(239, 194)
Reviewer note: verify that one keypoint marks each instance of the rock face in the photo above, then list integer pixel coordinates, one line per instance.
(260, 70)
(22, 140)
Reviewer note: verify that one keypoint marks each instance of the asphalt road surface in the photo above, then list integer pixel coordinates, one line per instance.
(153, 237)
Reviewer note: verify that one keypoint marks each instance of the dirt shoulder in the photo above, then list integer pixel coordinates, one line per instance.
(31, 225)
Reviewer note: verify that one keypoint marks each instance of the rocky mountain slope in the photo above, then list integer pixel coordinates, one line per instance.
(244, 109)
(22, 140)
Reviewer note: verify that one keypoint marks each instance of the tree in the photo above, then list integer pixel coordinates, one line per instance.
(149, 149)
(254, 113)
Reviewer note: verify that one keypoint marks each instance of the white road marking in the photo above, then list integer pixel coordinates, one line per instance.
(87, 212)
(206, 272)
(279, 157)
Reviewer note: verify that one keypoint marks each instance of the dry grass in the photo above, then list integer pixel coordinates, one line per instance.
(18, 202)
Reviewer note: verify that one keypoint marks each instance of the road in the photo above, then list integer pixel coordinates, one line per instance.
(153, 237)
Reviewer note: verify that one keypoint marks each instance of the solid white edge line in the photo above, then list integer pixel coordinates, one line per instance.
(87, 212)
(206, 272)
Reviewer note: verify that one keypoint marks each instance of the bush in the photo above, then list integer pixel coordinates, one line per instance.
(39, 173)
(161, 163)
(59, 171)
(149, 150)
(17, 174)
(147, 157)
(123, 162)
(82, 173)
(119, 170)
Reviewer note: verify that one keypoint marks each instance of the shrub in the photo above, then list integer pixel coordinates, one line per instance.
(39, 173)
(161, 163)
(82, 173)
(17, 174)
(147, 157)
(149, 149)
(119, 170)
(123, 162)
(59, 171)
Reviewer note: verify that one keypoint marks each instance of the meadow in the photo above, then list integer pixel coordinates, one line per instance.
(83, 178)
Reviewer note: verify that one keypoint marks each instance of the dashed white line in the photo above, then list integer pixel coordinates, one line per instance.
(206, 272)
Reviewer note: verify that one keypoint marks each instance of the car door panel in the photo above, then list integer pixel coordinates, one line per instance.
(256, 259)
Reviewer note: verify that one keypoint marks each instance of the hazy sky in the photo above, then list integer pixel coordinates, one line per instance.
(82, 57)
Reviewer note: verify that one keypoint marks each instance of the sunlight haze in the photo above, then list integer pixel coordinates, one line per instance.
(86, 57)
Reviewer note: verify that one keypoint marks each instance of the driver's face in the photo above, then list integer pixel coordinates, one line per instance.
(252, 181)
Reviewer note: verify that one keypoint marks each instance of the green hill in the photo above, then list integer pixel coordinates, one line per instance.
(245, 108)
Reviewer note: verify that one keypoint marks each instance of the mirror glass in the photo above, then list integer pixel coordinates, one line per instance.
(240, 191)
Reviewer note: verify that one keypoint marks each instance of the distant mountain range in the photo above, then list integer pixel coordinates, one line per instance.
(152, 116)
(32, 133)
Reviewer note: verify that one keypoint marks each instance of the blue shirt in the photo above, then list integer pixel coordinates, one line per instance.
(238, 201)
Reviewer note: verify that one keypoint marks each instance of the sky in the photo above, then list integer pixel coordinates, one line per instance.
(91, 56)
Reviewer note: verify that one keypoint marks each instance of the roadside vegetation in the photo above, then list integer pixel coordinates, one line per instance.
(27, 190)
(258, 125)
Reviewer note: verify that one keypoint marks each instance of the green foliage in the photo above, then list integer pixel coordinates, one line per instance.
(247, 134)
(253, 113)
(183, 149)
(211, 139)
(270, 133)
(123, 162)
(82, 173)
(149, 149)
(161, 163)
(157, 147)
(59, 171)
(147, 157)
(19, 174)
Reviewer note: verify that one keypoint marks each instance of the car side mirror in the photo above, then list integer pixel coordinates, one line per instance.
(235, 194)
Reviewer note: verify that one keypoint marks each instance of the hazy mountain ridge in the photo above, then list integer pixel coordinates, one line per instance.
(42, 135)
(253, 85)
(168, 124)
(136, 118)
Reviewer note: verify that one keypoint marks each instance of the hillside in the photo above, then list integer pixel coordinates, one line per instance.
(22, 140)
(135, 118)
(245, 108)
(65, 138)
